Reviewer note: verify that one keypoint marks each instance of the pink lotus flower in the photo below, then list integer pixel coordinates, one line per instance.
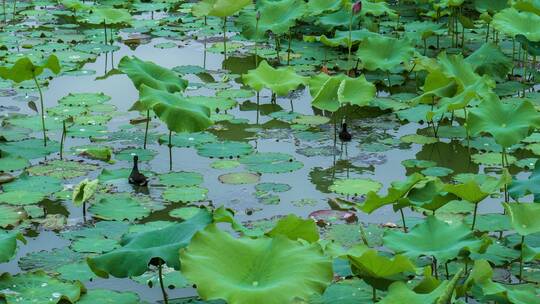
(357, 7)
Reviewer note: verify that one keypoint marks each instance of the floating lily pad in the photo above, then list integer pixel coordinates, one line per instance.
(11, 216)
(181, 179)
(119, 208)
(185, 194)
(226, 149)
(127, 154)
(62, 169)
(355, 186)
(108, 296)
(76, 272)
(271, 162)
(225, 164)
(239, 178)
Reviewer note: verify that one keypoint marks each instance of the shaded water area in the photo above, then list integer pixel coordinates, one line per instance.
(376, 151)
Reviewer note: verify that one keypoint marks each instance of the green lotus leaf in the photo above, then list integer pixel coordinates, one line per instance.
(188, 140)
(384, 53)
(507, 123)
(168, 107)
(270, 162)
(433, 237)
(8, 245)
(10, 163)
(185, 194)
(398, 190)
(481, 275)
(377, 270)
(35, 184)
(275, 16)
(341, 38)
(184, 212)
(311, 120)
(138, 250)
(143, 154)
(62, 169)
(11, 216)
(106, 296)
(152, 75)
(213, 103)
(377, 8)
(513, 22)
(84, 191)
(296, 228)
(520, 188)
(109, 16)
(218, 8)
(226, 149)
(355, 186)
(533, 48)
(399, 293)
(280, 81)
(339, 90)
(94, 245)
(254, 270)
(489, 59)
(239, 178)
(75, 5)
(475, 191)
(37, 287)
(523, 217)
(181, 179)
(338, 19)
(119, 208)
(317, 7)
(418, 30)
(78, 271)
(25, 69)
(84, 99)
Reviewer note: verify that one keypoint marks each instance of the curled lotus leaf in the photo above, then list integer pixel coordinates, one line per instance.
(152, 75)
(513, 22)
(280, 81)
(254, 270)
(25, 69)
(8, 244)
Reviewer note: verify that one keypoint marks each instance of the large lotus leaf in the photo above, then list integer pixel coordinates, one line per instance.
(109, 16)
(341, 38)
(475, 191)
(119, 208)
(384, 53)
(25, 69)
(481, 276)
(254, 270)
(317, 7)
(376, 8)
(355, 186)
(62, 169)
(13, 163)
(226, 149)
(524, 217)
(371, 266)
(152, 75)
(36, 184)
(520, 188)
(84, 99)
(275, 16)
(271, 162)
(338, 19)
(280, 81)
(138, 250)
(458, 69)
(105, 296)
(507, 123)
(433, 237)
(8, 245)
(296, 228)
(11, 215)
(489, 59)
(399, 293)
(218, 8)
(418, 30)
(170, 107)
(37, 287)
(513, 22)
(397, 190)
(339, 90)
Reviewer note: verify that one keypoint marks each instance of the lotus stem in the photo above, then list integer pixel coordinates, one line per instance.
(403, 220)
(258, 100)
(289, 49)
(374, 298)
(160, 273)
(4, 8)
(389, 82)
(276, 38)
(446, 270)
(521, 259)
(225, 37)
(474, 216)
(256, 44)
(146, 129)
(487, 33)
(42, 111)
(170, 150)
(62, 138)
(14, 9)
(363, 235)
(84, 211)
(350, 39)
(435, 267)
(105, 30)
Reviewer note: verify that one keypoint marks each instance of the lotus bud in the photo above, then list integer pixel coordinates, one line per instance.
(357, 7)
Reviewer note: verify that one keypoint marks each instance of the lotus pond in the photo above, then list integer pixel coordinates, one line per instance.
(287, 151)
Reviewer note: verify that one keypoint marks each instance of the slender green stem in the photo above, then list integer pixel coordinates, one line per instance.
(84, 211)
(146, 129)
(487, 33)
(276, 38)
(374, 297)
(446, 270)
(225, 37)
(521, 259)
(14, 9)
(289, 49)
(474, 216)
(160, 273)
(4, 8)
(42, 111)
(350, 39)
(170, 150)
(363, 235)
(403, 220)
(62, 139)
(256, 44)
(435, 268)
(105, 30)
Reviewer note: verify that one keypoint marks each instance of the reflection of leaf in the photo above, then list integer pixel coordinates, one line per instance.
(254, 270)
